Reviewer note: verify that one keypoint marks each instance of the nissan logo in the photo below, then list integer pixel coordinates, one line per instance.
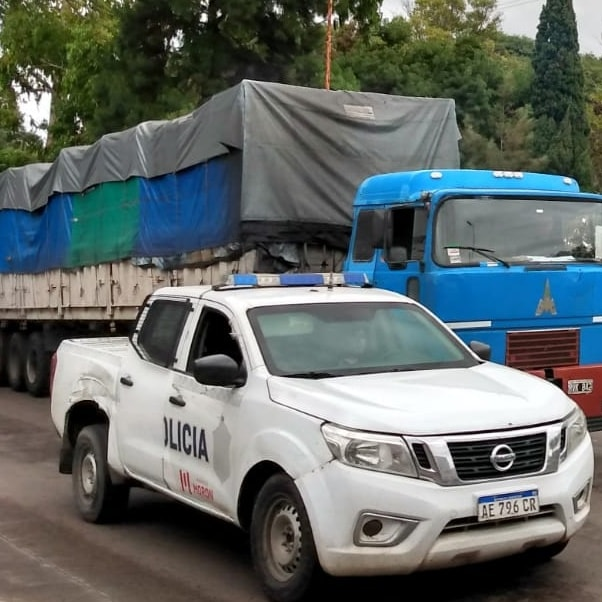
(502, 457)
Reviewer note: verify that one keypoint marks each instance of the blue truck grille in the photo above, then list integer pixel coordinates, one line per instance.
(538, 349)
(472, 459)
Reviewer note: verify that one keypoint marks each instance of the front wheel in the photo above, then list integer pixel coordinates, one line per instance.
(97, 498)
(282, 544)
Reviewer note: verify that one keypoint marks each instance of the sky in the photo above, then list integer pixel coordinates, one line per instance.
(521, 17)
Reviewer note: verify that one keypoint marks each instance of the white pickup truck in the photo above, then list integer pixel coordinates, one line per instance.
(347, 429)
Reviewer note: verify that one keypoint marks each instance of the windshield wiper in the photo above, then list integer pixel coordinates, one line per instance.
(312, 375)
(488, 253)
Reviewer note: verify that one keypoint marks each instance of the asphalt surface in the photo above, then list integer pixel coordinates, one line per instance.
(166, 552)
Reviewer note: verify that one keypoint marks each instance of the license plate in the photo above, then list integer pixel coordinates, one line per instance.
(581, 387)
(507, 505)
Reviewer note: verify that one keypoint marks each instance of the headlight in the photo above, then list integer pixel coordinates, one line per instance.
(576, 431)
(383, 453)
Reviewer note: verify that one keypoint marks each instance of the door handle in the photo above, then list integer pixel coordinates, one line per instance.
(127, 381)
(177, 401)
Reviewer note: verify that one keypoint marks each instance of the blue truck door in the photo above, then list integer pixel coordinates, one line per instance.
(399, 263)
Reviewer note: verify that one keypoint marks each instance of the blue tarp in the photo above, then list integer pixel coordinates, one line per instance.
(197, 208)
(38, 241)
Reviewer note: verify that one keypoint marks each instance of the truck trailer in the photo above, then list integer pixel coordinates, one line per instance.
(267, 177)
(259, 178)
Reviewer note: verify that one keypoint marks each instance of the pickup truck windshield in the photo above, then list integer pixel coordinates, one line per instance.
(469, 231)
(320, 340)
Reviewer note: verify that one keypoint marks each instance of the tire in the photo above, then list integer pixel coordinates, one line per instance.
(37, 366)
(4, 338)
(97, 499)
(282, 544)
(15, 365)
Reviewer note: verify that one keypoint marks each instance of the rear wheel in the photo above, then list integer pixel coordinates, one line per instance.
(282, 544)
(37, 366)
(4, 338)
(97, 498)
(15, 365)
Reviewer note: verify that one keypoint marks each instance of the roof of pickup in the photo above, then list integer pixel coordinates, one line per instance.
(250, 296)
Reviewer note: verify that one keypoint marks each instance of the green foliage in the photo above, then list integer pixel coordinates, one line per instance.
(595, 116)
(441, 19)
(111, 64)
(558, 100)
(509, 150)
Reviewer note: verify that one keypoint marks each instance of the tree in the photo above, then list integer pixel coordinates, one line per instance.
(557, 97)
(432, 19)
(53, 48)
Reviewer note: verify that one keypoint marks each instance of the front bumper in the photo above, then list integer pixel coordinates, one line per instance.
(428, 526)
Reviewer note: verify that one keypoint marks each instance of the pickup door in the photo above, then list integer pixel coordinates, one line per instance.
(145, 384)
(200, 418)
(173, 431)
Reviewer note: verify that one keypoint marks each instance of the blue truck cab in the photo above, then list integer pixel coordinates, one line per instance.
(511, 259)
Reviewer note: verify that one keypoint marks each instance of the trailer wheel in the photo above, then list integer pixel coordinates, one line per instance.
(96, 497)
(282, 544)
(37, 366)
(4, 336)
(15, 365)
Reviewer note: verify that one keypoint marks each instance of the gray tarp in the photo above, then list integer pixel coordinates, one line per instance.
(304, 150)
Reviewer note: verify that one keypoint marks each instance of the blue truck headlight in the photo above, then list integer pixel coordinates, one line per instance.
(372, 451)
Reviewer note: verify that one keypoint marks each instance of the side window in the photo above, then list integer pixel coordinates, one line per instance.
(362, 242)
(213, 336)
(160, 331)
(407, 234)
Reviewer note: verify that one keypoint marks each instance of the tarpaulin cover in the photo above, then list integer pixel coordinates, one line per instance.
(32, 242)
(259, 162)
(105, 223)
(194, 209)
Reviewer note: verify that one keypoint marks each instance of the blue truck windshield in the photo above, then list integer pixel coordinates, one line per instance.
(470, 231)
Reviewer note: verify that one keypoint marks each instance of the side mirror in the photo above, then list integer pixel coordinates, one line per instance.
(397, 257)
(481, 349)
(219, 370)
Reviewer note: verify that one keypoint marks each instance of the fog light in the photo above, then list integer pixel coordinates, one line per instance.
(581, 500)
(373, 529)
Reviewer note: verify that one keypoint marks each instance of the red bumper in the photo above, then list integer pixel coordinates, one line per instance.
(583, 384)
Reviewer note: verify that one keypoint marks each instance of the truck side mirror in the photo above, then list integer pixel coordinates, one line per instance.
(397, 256)
(219, 370)
(481, 349)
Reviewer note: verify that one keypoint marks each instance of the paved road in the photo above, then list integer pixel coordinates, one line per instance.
(166, 552)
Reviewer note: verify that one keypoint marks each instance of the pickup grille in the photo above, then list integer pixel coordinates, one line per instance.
(472, 459)
(538, 349)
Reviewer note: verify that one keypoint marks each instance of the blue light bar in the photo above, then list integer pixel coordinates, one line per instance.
(302, 279)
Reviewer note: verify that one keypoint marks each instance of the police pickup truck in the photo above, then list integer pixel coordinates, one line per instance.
(345, 428)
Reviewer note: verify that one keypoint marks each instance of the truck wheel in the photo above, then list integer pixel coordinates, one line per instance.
(15, 365)
(282, 544)
(97, 498)
(4, 336)
(37, 366)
